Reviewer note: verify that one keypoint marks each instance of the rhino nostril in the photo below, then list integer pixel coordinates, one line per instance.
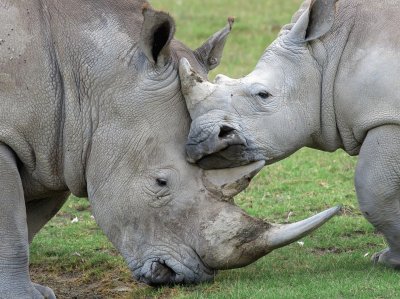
(226, 132)
(160, 274)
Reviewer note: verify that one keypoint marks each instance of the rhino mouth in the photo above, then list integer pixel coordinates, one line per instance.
(207, 137)
(230, 157)
(224, 149)
(167, 270)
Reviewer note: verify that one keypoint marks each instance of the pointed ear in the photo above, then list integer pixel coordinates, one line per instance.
(157, 32)
(210, 52)
(316, 20)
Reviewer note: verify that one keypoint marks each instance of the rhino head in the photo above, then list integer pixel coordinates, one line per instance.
(172, 221)
(273, 111)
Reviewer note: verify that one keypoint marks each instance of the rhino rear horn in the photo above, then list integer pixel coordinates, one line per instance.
(229, 182)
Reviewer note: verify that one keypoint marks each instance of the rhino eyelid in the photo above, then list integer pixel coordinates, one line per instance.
(264, 95)
(161, 182)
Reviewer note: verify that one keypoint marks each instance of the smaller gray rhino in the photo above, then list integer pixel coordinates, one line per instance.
(91, 103)
(329, 81)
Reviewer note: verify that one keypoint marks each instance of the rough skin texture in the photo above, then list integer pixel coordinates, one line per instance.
(90, 103)
(329, 81)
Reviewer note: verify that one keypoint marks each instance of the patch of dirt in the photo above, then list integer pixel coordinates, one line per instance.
(74, 286)
(112, 285)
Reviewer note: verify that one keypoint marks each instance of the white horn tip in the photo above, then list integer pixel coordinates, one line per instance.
(327, 214)
(184, 66)
(288, 233)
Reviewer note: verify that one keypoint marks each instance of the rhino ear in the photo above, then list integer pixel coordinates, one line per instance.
(316, 20)
(157, 32)
(210, 53)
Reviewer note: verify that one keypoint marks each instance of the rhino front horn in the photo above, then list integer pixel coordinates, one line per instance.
(194, 87)
(280, 235)
(236, 239)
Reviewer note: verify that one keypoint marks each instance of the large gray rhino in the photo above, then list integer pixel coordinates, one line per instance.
(329, 81)
(91, 103)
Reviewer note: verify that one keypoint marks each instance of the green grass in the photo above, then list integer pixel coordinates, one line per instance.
(77, 260)
(257, 23)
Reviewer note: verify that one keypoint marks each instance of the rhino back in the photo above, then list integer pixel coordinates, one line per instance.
(367, 89)
(30, 94)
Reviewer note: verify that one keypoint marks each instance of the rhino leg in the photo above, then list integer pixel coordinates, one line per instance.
(377, 184)
(14, 248)
(39, 212)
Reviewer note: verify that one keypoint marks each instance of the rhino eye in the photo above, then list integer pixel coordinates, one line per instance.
(161, 182)
(264, 95)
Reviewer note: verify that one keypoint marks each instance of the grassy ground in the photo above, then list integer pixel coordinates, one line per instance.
(77, 261)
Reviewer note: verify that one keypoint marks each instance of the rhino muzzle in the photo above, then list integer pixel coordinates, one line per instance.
(157, 273)
(214, 145)
(169, 271)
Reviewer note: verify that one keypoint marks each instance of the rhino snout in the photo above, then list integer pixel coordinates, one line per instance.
(226, 132)
(157, 272)
(168, 271)
(203, 141)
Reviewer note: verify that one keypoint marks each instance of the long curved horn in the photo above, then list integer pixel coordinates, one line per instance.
(234, 239)
(284, 234)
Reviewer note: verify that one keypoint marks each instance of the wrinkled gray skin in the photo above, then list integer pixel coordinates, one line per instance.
(91, 103)
(329, 81)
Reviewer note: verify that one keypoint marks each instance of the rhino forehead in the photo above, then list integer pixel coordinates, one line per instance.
(110, 38)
